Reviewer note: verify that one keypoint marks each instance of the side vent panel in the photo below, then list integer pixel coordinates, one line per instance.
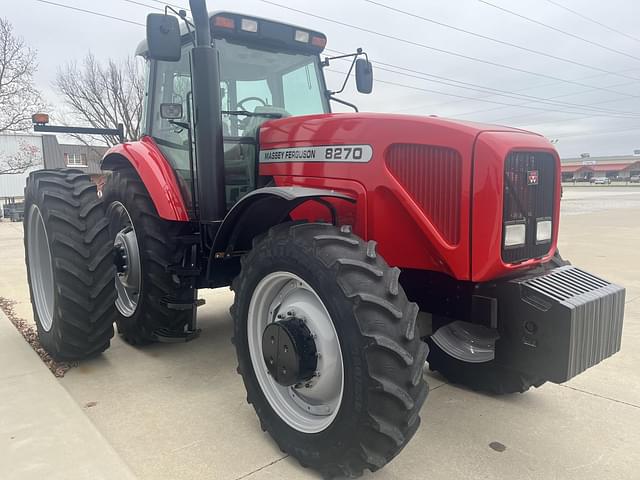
(432, 176)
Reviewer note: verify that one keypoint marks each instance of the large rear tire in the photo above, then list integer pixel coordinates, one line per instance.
(361, 406)
(69, 264)
(148, 246)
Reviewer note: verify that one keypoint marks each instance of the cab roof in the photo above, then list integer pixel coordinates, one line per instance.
(270, 34)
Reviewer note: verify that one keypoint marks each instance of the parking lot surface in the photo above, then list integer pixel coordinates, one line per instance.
(179, 411)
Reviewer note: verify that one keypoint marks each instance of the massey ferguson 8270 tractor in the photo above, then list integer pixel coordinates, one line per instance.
(358, 245)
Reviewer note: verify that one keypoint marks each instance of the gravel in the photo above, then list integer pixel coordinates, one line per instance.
(30, 334)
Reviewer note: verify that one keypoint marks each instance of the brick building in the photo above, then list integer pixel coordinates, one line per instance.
(617, 168)
(47, 153)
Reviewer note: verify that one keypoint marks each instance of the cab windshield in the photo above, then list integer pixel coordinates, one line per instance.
(255, 86)
(265, 82)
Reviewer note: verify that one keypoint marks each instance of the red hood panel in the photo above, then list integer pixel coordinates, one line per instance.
(360, 127)
(407, 235)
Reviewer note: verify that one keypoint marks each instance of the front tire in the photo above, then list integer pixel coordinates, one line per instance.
(365, 332)
(69, 264)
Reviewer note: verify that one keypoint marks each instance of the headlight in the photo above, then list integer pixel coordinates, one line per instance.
(543, 230)
(515, 234)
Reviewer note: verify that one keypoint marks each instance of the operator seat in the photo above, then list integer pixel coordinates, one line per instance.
(254, 122)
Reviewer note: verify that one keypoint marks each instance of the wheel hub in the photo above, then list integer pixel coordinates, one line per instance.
(289, 351)
(126, 258)
(308, 395)
(40, 267)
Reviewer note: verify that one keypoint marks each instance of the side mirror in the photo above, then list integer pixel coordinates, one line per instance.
(163, 37)
(364, 76)
(171, 111)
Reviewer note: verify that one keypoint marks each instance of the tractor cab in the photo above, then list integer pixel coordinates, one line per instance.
(267, 70)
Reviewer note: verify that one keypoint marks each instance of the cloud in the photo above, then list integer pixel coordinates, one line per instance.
(61, 35)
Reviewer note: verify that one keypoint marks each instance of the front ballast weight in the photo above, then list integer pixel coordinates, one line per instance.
(551, 326)
(568, 320)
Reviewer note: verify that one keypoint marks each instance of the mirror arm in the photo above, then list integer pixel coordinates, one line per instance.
(180, 13)
(183, 15)
(183, 125)
(343, 102)
(346, 77)
(325, 63)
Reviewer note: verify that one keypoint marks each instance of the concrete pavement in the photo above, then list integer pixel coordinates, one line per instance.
(43, 432)
(179, 411)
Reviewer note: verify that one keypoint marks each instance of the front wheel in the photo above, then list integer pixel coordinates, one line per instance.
(327, 348)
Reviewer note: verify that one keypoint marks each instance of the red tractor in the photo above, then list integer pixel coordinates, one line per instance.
(358, 245)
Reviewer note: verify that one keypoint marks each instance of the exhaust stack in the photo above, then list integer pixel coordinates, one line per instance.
(207, 119)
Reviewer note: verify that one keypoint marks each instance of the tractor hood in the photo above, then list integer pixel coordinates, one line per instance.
(430, 189)
(350, 128)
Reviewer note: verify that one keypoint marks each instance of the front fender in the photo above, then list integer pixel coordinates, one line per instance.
(263, 208)
(155, 172)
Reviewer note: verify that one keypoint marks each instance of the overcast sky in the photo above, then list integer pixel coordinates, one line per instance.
(590, 111)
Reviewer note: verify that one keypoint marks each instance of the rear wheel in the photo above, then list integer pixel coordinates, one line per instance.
(464, 354)
(69, 264)
(327, 348)
(150, 299)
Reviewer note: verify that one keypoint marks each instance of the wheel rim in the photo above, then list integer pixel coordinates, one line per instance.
(40, 267)
(466, 341)
(128, 278)
(309, 407)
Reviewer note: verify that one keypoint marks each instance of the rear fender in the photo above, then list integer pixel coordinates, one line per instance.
(155, 172)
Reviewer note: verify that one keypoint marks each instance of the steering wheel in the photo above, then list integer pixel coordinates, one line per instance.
(247, 99)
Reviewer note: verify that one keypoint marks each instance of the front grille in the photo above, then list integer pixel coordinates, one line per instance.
(529, 194)
(432, 176)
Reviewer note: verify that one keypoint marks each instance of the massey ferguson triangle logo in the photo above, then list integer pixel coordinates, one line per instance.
(532, 177)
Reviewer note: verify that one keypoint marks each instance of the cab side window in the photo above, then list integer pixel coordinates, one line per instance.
(172, 85)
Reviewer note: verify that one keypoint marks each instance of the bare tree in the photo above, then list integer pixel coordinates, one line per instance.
(103, 95)
(26, 157)
(19, 98)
